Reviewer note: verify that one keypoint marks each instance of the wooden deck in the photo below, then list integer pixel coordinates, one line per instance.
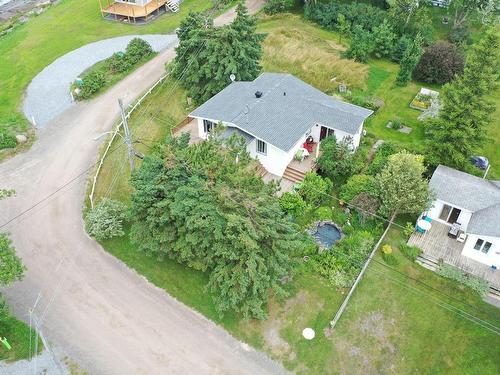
(437, 245)
(132, 12)
(190, 125)
(306, 165)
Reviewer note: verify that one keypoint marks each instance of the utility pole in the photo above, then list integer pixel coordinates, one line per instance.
(128, 138)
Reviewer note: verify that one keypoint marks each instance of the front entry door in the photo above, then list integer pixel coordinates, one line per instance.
(325, 132)
(455, 213)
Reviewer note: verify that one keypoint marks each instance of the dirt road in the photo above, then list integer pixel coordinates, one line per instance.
(94, 309)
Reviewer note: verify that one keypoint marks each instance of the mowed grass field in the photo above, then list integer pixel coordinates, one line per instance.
(62, 28)
(392, 325)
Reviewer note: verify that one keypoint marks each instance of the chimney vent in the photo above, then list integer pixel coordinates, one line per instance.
(284, 93)
(258, 94)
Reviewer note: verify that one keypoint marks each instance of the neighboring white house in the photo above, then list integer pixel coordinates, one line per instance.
(474, 203)
(275, 114)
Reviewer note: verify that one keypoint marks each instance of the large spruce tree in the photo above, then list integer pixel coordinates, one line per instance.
(466, 109)
(204, 206)
(208, 55)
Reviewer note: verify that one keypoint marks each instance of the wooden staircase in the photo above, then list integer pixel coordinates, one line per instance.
(260, 170)
(172, 5)
(293, 174)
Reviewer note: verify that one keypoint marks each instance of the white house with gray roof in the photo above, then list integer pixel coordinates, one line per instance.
(276, 113)
(474, 203)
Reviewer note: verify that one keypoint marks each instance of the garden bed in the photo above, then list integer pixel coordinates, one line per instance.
(423, 99)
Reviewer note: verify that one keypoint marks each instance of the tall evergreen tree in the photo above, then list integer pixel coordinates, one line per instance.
(465, 108)
(208, 55)
(409, 61)
(204, 207)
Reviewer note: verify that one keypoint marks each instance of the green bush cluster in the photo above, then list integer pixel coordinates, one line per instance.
(381, 157)
(315, 189)
(356, 184)
(292, 204)
(136, 50)
(478, 285)
(120, 62)
(92, 83)
(278, 6)
(106, 220)
(411, 252)
(342, 263)
(7, 140)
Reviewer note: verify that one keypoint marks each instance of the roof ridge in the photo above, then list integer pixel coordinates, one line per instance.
(259, 100)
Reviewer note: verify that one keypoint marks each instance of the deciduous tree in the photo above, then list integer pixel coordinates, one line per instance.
(402, 186)
(439, 64)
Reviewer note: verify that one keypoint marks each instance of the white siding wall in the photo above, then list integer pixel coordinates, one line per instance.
(437, 207)
(276, 160)
(492, 258)
(339, 134)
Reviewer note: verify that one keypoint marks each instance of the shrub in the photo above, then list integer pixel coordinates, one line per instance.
(137, 49)
(460, 36)
(118, 63)
(278, 6)
(439, 64)
(388, 256)
(342, 264)
(106, 220)
(7, 140)
(92, 83)
(408, 230)
(478, 285)
(396, 124)
(382, 154)
(292, 204)
(356, 184)
(361, 45)
(411, 252)
(366, 205)
(315, 189)
(323, 213)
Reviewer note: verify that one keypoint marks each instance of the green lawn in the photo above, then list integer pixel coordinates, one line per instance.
(61, 29)
(18, 336)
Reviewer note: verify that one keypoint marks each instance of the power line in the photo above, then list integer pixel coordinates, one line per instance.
(490, 327)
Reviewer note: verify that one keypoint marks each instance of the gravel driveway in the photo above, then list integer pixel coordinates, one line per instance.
(48, 94)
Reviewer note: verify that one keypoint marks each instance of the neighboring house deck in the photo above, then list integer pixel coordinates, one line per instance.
(436, 245)
(136, 11)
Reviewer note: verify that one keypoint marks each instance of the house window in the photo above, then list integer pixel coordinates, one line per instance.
(450, 214)
(445, 212)
(208, 126)
(479, 244)
(261, 147)
(483, 246)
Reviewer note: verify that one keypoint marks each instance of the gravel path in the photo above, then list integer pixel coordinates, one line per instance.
(48, 94)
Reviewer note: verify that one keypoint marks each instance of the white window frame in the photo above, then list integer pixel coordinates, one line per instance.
(208, 126)
(482, 246)
(257, 148)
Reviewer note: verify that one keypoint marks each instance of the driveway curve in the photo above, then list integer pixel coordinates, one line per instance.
(48, 94)
(93, 308)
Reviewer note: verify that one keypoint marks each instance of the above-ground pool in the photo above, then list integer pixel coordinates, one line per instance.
(326, 234)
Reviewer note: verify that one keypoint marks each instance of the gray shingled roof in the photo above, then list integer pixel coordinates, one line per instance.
(287, 109)
(480, 196)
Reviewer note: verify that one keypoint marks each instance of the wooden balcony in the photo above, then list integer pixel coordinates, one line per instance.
(133, 13)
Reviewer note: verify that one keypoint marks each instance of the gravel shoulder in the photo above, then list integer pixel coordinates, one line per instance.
(48, 94)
